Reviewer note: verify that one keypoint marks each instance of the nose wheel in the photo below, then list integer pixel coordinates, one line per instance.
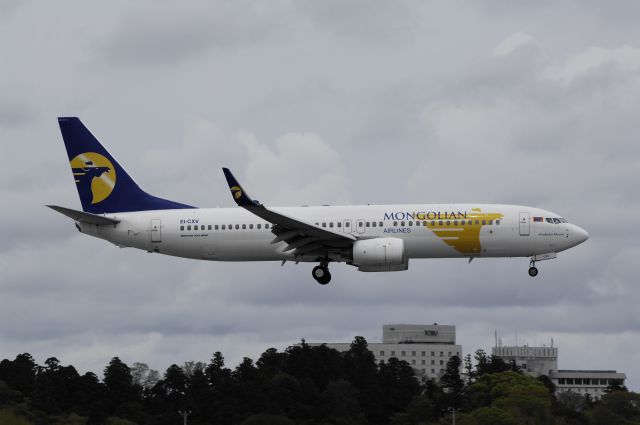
(321, 274)
(533, 270)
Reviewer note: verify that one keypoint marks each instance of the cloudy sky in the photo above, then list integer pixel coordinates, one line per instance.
(316, 102)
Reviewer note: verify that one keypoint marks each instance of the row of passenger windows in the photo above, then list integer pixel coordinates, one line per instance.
(225, 226)
(412, 223)
(347, 224)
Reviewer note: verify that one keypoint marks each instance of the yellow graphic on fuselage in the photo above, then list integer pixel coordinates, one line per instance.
(94, 175)
(464, 234)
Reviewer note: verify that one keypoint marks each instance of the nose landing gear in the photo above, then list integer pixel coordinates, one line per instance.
(321, 274)
(533, 270)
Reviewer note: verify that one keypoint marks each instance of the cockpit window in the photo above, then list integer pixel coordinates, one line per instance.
(549, 220)
(556, 220)
(562, 220)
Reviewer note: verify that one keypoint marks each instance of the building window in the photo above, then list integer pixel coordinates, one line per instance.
(413, 362)
(393, 353)
(441, 362)
(404, 353)
(441, 354)
(433, 362)
(413, 353)
(382, 353)
(424, 362)
(561, 381)
(449, 354)
(433, 371)
(433, 353)
(424, 353)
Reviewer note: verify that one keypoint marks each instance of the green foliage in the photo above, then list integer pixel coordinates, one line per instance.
(8, 417)
(266, 419)
(303, 385)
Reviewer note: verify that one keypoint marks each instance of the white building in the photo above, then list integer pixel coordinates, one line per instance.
(534, 361)
(537, 361)
(427, 348)
(583, 382)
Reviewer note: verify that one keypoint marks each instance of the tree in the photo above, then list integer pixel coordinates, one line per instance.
(452, 383)
(119, 384)
(19, 374)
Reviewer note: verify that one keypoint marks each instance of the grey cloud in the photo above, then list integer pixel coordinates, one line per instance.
(159, 34)
(405, 104)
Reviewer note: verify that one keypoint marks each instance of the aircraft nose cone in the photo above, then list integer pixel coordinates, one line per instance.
(580, 235)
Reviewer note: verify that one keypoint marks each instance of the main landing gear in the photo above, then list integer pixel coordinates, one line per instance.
(533, 270)
(321, 274)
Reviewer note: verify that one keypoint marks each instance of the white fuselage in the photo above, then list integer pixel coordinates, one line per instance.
(428, 230)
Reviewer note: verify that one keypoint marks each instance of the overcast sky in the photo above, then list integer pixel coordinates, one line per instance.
(316, 102)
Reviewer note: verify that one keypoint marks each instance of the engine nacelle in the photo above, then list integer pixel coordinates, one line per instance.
(380, 255)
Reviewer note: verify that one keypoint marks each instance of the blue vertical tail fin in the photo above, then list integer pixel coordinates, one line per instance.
(103, 185)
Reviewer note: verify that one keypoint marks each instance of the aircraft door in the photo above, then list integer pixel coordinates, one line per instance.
(360, 226)
(525, 224)
(346, 226)
(156, 235)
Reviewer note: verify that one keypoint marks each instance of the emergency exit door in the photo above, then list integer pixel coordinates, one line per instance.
(156, 232)
(525, 224)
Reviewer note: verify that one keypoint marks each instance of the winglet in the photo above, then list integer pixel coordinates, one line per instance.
(239, 195)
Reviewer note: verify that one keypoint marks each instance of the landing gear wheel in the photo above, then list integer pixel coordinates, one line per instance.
(533, 271)
(321, 274)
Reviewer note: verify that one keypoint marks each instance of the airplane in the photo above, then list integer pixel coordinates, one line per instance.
(373, 238)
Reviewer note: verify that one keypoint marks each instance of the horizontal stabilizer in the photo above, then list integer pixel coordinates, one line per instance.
(84, 216)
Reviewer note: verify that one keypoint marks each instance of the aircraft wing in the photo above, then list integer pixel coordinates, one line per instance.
(302, 237)
(84, 217)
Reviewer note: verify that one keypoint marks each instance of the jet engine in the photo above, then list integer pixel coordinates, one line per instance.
(380, 255)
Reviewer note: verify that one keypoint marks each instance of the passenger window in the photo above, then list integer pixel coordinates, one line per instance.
(237, 227)
(251, 226)
(244, 226)
(231, 227)
(490, 222)
(367, 224)
(188, 227)
(181, 227)
(216, 227)
(440, 223)
(410, 223)
(223, 227)
(395, 223)
(433, 223)
(347, 224)
(359, 224)
(477, 222)
(497, 222)
(339, 224)
(448, 223)
(484, 222)
(402, 223)
(455, 223)
(381, 224)
(259, 226)
(373, 223)
(324, 224)
(266, 226)
(209, 227)
(331, 224)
